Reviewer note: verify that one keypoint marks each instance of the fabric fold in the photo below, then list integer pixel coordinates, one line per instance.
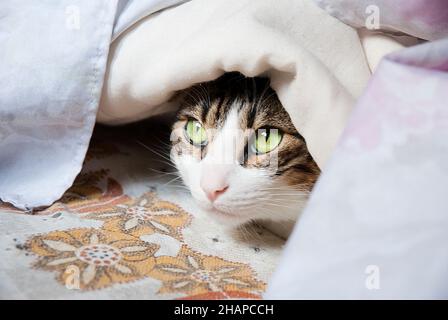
(375, 227)
(423, 19)
(315, 62)
(52, 65)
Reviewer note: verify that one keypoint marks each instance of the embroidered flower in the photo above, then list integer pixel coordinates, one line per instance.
(102, 257)
(193, 273)
(145, 215)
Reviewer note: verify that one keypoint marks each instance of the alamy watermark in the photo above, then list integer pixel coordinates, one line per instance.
(72, 277)
(72, 17)
(372, 281)
(372, 21)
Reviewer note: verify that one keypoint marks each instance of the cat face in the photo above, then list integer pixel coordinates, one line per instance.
(238, 152)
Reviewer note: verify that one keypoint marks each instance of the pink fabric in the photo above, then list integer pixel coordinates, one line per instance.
(376, 225)
(420, 18)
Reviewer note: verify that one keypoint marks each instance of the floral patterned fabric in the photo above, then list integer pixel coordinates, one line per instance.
(123, 231)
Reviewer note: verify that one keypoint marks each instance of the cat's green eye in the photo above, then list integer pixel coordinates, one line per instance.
(266, 140)
(195, 132)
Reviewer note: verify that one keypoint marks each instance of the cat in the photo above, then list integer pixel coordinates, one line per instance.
(239, 153)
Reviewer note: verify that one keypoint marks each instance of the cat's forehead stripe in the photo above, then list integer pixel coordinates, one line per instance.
(257, 102)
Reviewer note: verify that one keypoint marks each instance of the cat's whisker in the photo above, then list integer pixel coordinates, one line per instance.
(154, 151)
(170, 165)
(286, 191)
(280, 205)
(171, 181)
(249, 233)
(276, 194)
(288, 188)
(163, 142)
(178, 189)
(164, 162)
(181, 188)
(198, 94)
(164, 172)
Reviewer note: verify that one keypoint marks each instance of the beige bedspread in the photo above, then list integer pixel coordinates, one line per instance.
(127, 230)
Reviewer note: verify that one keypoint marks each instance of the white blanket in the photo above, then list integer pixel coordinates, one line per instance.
(52, 61)
(315, 62)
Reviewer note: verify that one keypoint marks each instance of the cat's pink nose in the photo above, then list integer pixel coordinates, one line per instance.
(213, 192)
(212, 195)
(214, 180)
